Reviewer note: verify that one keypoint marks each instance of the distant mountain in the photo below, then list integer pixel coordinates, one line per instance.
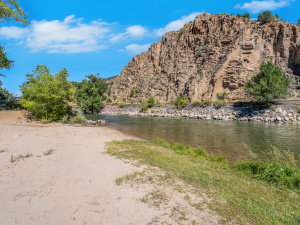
(213, 54)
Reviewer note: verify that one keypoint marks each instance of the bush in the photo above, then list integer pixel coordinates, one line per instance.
(121, 104)
(269, 84)
(265, 17)
(181, 102)
(202, 104)
(246, 15)
(108, 101)
(103, 98)
(79, 118)
(298, 109)
(220, 104)
(131, 93)
(222, 96)
(148, 104)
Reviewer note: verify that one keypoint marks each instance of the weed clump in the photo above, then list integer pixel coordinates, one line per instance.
(181, 102)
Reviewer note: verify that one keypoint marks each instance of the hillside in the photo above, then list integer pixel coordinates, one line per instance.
(210, 55)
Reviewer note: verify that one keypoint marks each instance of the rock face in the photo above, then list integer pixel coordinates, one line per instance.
(213, 54)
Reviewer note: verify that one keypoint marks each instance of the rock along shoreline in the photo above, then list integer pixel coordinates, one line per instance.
(282, 112)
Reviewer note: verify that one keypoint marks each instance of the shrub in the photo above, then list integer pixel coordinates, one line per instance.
(79, 118)
(115, 97)
(108, 101)
(148, 104)
(121, 104)
(202, 104)
(265, 17)
(246, 15)
(229, 31)
(197, 104)
(269, 84)
(220, 104)
(199, 51)
(109, 91)
(131, 93)
(181, 102)
(222, 96)
(103, 98)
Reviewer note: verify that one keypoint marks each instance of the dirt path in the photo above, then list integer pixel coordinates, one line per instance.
(76, 184)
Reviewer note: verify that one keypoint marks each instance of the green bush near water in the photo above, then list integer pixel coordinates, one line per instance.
(181, 102)
(202, 104)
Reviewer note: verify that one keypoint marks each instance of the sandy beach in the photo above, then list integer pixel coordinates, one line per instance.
(74, 184)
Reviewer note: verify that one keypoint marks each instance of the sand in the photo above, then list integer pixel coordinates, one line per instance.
(76, 184)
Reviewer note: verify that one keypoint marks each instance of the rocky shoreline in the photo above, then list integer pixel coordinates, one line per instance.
(282, 112)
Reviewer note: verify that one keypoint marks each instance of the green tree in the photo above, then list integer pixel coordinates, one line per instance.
(46, 96)
(89, 93)
(298, 24)
(246, 15)
(265, 17)
(7, 100)
(10, 10)
(269, 84)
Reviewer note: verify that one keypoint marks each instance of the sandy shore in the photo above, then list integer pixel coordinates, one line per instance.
(73, 185)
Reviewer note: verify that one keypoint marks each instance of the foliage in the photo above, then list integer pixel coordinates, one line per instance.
(10, 10)
(202, 104)
(108, 91)
(46, 96)
(220, 104)
(103, 98)
(266, 17)
(148, 104)
(8, 100)
(108, 101)
(181, 102)
(269, 84)
(298, 109)
(274, 166)
(246, 15)
(90, 93)
(229, 31)
(131, 93)
(79, 118)
(121, 104)
(222, 96)
(199, 51)
(115, 97)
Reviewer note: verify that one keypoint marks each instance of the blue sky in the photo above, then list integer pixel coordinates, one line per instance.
(96, 36)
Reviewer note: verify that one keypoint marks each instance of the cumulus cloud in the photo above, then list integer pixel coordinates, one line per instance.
(176, 24)
(67, 36)
(259, 6)
(135, 31)
(135, 49)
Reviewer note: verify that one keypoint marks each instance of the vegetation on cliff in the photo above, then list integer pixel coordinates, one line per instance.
(269, 84)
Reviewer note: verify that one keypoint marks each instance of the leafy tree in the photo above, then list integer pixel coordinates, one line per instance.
(148, 104)
(46, 96)
(7, 100)
(265, 17)
(10, 10)
(298, 22)
(246, 15)
(89, 93)
(269, 84)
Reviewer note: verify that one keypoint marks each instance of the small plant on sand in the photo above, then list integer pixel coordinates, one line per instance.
(49, 152)
(3, 150)
(17, 158)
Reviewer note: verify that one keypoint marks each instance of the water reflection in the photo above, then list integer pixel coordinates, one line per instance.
(225, 138)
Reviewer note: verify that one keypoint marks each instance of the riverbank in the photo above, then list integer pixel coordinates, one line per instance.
(281, 112)
(60, 174)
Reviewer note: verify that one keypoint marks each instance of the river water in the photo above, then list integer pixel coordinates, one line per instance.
(226, 138)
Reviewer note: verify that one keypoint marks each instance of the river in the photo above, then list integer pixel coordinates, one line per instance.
(226, 138)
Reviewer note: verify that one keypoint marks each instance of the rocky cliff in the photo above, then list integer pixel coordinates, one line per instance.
(213, 54)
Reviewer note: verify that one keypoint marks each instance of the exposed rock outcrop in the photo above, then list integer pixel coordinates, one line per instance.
(213, 54)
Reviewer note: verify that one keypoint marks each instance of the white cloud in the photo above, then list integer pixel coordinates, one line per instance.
(135, 31)
(68, 36)
(259, 6)
(14, 32)
(176, 24)
(135, 49)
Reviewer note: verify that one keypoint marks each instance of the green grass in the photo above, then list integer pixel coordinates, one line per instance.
(236, 194)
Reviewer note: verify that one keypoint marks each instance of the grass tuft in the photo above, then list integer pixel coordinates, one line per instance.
(49, 152)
